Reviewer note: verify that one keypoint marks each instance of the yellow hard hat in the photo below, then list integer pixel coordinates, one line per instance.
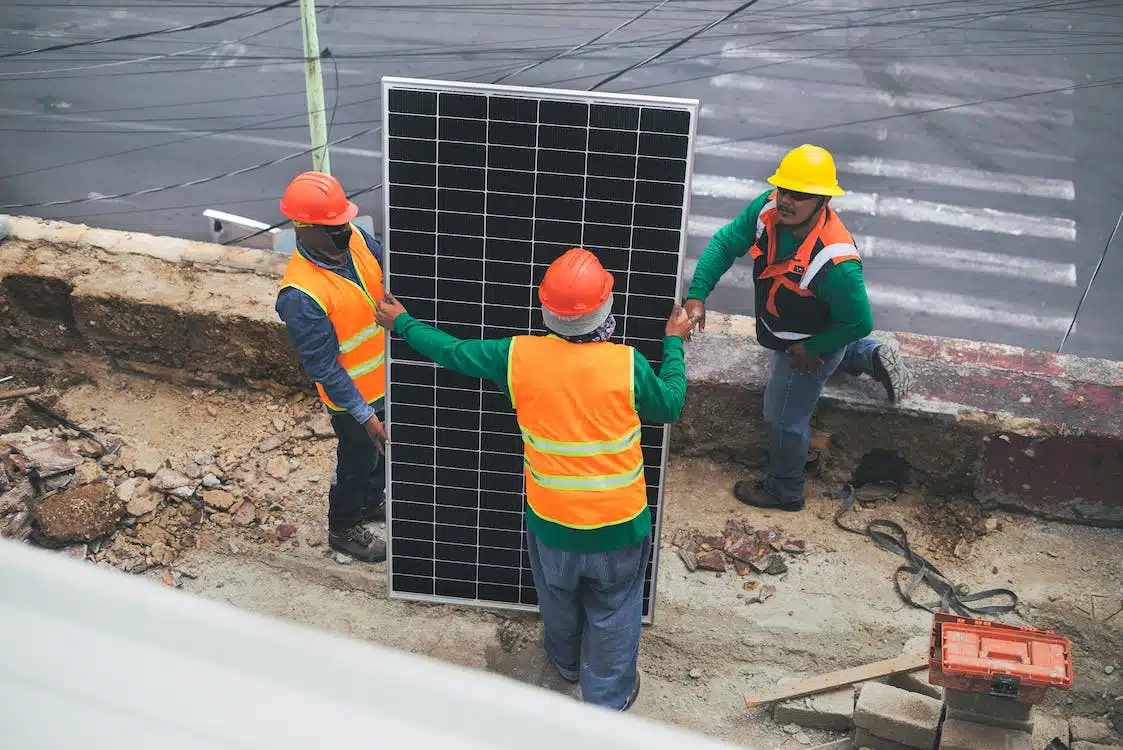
(808, 169)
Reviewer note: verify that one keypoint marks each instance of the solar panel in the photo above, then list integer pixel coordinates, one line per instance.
(485, 186)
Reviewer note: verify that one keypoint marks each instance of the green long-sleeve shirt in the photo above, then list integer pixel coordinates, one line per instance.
(841, 286)
(659, 398)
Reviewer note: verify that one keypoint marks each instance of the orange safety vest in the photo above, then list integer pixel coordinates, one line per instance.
(575, 405)
(350, 308)
(787, 309)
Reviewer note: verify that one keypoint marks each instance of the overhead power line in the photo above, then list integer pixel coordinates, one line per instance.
(157, 32)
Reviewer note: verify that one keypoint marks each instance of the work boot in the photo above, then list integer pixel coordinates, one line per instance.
(358, 542)
(889, 370)
(758, 494)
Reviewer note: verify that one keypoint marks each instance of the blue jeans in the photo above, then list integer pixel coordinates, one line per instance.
(591, 605)
(789, 401)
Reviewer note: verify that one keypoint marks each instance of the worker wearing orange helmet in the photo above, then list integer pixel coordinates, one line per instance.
(811, 309)
(326, 300)
(578, 399)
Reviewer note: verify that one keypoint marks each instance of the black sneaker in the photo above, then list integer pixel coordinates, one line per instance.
(759, 496)
(634, 695)
(358, 542)
(890, 371)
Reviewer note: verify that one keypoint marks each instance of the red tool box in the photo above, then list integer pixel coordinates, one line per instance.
(1004, 661)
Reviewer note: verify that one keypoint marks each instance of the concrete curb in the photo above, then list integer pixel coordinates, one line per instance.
(170, 249)
(1022, 429)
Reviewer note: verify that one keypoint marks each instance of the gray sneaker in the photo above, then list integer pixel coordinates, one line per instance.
(889, 370)
(358, 542)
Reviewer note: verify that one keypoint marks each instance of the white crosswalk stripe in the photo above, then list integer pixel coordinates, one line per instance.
(906, 209)
(1008, 224)
(904, 102)
(936, 174)
(906, 70)
(716, 113)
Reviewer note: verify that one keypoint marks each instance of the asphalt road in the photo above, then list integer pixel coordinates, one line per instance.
(984, 220)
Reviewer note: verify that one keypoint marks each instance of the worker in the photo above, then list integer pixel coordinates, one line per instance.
(811, 309)
(327, 301)
(578, 399)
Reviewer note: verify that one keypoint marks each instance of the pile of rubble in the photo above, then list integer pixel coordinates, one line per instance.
(133, 508)
(760, 551)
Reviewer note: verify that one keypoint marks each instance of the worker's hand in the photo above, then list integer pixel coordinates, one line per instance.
(679, 324)
(387, 311)
(696, 309)
(804, 361)
(377, 432)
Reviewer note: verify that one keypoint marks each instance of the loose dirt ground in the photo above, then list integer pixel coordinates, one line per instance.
(708, 646)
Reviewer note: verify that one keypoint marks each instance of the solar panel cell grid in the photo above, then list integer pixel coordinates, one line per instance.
(486, 186)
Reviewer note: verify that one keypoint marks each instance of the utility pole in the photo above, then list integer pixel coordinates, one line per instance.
(314, 85)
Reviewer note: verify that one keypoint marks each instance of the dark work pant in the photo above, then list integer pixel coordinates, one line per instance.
(360, 474)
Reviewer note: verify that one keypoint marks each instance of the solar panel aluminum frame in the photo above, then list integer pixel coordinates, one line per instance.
(690, 106)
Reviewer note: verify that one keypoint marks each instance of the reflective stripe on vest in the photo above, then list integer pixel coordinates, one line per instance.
(827, 242)
(575, 404)
(350, 308)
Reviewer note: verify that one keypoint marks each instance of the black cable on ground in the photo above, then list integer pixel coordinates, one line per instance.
(891, 536)
(1088, 289)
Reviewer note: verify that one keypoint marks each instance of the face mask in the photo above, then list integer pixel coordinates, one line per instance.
(340, 236)
(327, 243)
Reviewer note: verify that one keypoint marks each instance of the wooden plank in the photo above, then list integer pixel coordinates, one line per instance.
(841, 678)
(19, 392)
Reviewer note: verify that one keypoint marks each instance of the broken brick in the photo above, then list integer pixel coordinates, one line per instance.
(794, 546)
(712, 560)
(688, 559)
(747, 549)
(708, 543)
(285, 530)
(741, 568)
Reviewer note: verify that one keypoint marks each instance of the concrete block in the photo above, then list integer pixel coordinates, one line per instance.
(843, 744)
(1090, 730)
(1047, 727)
(984, 709)
(981, 703)
(832, 712)
(866, 741)
(898, 715)
(916, 682)
(966, 735)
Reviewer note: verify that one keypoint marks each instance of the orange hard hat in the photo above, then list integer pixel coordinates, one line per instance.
(575, 284)
(317, 198)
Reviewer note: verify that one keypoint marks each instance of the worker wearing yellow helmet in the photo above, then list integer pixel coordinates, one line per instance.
(811, 309)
